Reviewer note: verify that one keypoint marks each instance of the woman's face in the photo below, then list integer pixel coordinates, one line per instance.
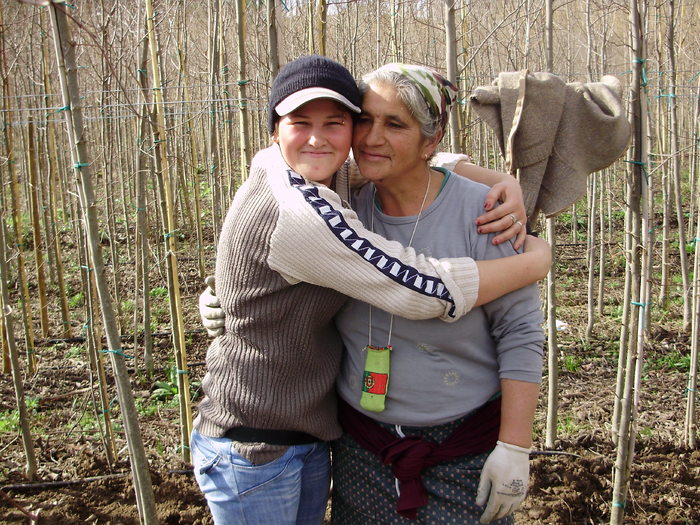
(387, 142)
(315, 139)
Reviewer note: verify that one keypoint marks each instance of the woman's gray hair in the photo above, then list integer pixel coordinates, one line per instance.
(409, 94)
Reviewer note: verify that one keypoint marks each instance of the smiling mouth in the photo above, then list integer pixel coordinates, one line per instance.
(374, 156)
(316, 152)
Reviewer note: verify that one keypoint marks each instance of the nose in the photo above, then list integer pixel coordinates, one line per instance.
(317, 137)
(373, 135)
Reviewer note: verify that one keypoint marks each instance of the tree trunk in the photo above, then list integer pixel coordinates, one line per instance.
(194, 158)
(272, 38)
(53, 235)
(640, 271)
(321, 20)
(142, 260)
(215, 178)
(65, 56)
(25, 304)
(163, 173)
(9, 339)
(591, 252)
(690, 428)
(552, 346)
(242, 92)
(676, 167)
(36, 231)
(603, 241)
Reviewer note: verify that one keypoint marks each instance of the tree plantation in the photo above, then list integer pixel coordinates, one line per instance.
(127, 128)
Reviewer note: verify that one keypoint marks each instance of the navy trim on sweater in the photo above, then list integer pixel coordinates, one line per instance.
(390, 266)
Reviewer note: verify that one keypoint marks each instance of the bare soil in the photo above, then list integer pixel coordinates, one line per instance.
(570, 484)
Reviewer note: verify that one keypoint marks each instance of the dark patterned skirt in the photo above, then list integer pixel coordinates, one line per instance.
(364, 490)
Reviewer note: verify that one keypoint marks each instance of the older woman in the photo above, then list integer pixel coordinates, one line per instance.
(451, 406)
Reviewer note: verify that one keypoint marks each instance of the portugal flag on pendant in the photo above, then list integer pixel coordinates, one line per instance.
(374, 382)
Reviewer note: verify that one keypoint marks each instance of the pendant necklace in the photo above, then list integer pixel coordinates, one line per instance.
(375, 378)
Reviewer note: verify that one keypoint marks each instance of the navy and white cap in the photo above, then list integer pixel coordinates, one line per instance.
(309, 78)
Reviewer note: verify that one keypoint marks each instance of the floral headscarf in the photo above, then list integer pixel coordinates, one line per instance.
(438, 92)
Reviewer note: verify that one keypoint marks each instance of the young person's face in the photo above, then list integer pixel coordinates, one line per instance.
(315, 139)
(388, 144)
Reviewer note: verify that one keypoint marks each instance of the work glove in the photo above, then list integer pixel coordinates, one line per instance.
(504, 480)
(210, 311)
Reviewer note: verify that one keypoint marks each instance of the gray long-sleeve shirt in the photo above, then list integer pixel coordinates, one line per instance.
(440, 372)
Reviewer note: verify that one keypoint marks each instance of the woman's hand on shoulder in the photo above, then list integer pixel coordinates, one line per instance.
(509, 218)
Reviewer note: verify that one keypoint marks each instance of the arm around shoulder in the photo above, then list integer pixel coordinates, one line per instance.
(320, 242)
(498, 277)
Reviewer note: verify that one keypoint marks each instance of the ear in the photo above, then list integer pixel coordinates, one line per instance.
(431, 145)
(275, 134)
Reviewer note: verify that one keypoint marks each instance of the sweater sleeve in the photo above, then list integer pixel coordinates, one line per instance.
(317, 240)
(449, 160)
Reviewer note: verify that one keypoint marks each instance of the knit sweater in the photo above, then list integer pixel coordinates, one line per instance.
(288, 255)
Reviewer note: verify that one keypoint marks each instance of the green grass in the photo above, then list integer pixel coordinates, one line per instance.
(159, 291)
(676, 278)
(167, 391)
(145, 407)
(73, 351)
(646, 432)
(88, 421)
(127, 306)
(76, 300)
(567, 426)
(672, 360)
(9, 419)
(572, 363)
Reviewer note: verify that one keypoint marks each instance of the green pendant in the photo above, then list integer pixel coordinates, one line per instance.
(375, 380)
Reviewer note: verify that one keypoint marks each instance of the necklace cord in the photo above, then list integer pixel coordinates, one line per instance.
(410, 242)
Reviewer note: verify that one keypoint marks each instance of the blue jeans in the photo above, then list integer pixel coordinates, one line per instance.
(293, 489)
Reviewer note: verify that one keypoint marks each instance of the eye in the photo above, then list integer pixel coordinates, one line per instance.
(362, 119)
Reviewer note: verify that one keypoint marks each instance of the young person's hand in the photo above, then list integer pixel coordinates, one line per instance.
(210, 311)
(509, 218)
(504, 481)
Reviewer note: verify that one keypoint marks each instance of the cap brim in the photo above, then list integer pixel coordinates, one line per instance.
(301, 97)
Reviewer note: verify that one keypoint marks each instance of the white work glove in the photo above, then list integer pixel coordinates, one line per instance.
(504, 480)
(210, 311)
